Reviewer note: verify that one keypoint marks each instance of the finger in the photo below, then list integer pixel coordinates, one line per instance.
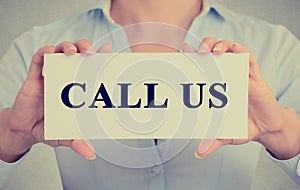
(188, 48)
(237, 48)
(221, 47)
(67, 48)
(105, 48)
(84, 46)
(254, 71)
(207, 45)
(81, 147)
(37, 62)
(202, 152)
(84, 149)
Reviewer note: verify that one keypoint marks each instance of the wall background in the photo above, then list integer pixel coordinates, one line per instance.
(18, 16)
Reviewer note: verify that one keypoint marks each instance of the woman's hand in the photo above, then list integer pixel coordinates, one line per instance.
(22, 125)
(275, 127)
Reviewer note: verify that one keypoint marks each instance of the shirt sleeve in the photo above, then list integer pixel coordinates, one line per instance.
(291, 166)
(12, 75)
(14, 66)
(7, 169)
(287, 55)
(13, 71)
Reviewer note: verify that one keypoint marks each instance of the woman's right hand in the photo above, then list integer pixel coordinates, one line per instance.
(22, 125)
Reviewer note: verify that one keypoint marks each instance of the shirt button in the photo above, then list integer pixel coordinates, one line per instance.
(156, 169)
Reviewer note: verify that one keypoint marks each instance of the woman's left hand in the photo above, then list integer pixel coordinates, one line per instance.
(275, 127)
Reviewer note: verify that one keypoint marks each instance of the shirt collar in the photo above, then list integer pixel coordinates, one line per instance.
(207, 7)
(218, 9)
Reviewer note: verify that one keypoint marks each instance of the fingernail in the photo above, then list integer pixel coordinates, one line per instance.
(50, 49)
(72, 48)
(109, 44)
(89, 145)
(203, 49)
(92, 158)
(197, 156)
(203, 146)
(91, 148)
(218, 47)
(105, 48)
(108, 47)
(185, 47)
(51, 46)
(90, 51)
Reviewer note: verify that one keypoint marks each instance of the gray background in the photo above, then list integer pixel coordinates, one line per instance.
(18, 16)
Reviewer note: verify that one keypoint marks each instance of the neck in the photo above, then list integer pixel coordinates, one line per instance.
(176, 12)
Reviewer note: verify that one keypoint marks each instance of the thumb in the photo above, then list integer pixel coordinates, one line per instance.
(37, 62)
(83, 148)
(208, 146)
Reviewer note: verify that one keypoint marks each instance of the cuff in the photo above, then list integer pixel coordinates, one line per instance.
(6, 169)
(290, 166)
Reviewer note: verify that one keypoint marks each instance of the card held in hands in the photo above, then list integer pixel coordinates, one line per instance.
(146, 96)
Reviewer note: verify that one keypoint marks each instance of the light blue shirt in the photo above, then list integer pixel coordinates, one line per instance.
(231, 167)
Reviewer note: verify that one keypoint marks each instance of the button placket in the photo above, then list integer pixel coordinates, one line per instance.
(298, 168)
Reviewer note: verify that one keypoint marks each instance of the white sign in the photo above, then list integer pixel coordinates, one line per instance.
(146, 96)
